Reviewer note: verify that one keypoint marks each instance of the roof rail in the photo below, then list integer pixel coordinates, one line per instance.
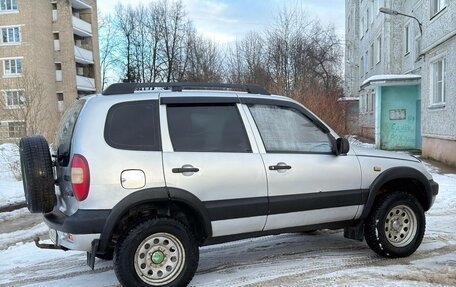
(128, 88)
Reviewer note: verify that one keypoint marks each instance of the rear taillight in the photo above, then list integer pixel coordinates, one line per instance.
(80, 177)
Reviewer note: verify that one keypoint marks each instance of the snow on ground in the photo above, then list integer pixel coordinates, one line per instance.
(11, 190)
(322, 258)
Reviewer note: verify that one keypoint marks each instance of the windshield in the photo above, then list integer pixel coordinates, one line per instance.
(62, 140)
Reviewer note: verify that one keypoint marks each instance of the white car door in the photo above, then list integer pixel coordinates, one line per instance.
(208, 152)
(307, 183)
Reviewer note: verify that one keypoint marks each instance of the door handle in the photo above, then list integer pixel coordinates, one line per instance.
(279, 167)
(185, 169)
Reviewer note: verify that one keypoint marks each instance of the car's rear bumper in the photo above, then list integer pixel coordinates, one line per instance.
(84, 221)
(76, 232)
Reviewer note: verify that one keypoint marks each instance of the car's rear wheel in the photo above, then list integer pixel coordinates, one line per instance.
(156, 252)
(396, 225)
(37, 174)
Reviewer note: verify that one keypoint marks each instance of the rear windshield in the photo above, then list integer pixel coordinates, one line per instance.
(62, 141)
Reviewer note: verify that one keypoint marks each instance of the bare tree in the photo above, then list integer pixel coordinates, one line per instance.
(108, 59)
(26, 104)
(126, 24)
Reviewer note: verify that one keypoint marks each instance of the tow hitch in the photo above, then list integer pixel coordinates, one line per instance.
(48, 246)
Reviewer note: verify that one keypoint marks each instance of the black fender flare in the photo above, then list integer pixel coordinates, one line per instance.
(152, 195)
(398, 173)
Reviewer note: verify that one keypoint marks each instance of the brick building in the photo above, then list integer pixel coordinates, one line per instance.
(48, 57)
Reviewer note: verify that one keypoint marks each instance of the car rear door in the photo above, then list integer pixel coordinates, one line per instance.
(208, 152)
(307, 183)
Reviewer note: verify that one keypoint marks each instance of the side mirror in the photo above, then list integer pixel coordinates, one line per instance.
(342, 146)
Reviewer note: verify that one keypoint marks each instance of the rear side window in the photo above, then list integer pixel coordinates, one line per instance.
(65, 130)
(133, 126)
(207, 128)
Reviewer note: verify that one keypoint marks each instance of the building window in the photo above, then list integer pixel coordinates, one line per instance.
(418, 46)
(378, 57)
(56, 41)
(438, 82)
(14, 98)
(371, 60)
(12, 67)
(407, 39)
(372, 102)
(366, 62)
(361, 65)
(368, 19)
(11, 35)
(361, 28)
(16, 129)
(437, 6)
(58, 72)
(8, 5)
(54, 12)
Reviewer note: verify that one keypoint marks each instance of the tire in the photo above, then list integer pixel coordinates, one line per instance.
(37, 174)
(396, 225)
(156, 252)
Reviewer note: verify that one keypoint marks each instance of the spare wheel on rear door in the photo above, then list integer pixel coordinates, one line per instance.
(37, 174)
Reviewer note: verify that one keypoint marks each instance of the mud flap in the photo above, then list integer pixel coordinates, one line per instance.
(91, 254)
(354, 232)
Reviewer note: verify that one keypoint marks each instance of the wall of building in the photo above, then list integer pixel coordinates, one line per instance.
(40, 57)
(437, 40)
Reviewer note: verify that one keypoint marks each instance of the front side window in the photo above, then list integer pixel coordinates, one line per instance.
(438, 82)
(287, 130)
(8, 5)
(133, 126)
(14, 98)
(12, 67)
(207, 128)
(11, 35)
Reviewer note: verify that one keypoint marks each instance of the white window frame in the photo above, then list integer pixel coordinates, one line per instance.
(371, 56)
(432, 93)
(4, 3)
(14, 42)
(361, 66)
(368, 20)
(378, 44)
(361, 26)
(437, 6)
(20, 102)
(407, 37)
(10, 74)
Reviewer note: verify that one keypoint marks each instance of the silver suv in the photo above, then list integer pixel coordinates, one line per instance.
(145, 176)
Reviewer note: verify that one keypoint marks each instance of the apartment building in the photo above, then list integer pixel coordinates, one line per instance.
(402, 66)
(49, 56)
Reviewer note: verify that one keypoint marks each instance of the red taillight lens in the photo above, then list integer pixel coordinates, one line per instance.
(80, 177)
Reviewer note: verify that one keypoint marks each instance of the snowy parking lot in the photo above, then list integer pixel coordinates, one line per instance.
(320, 258)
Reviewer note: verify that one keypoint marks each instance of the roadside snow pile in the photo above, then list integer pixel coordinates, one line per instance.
(11, 190)
(354, 141)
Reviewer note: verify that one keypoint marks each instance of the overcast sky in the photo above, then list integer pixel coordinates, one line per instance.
(228, 20)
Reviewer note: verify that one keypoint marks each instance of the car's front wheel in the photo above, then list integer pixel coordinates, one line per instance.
(396, 225)
(156, 252)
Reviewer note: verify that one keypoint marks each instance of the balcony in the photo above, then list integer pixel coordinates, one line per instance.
(80, 4)
(85, 84)
(81, 27)
(83, 56)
